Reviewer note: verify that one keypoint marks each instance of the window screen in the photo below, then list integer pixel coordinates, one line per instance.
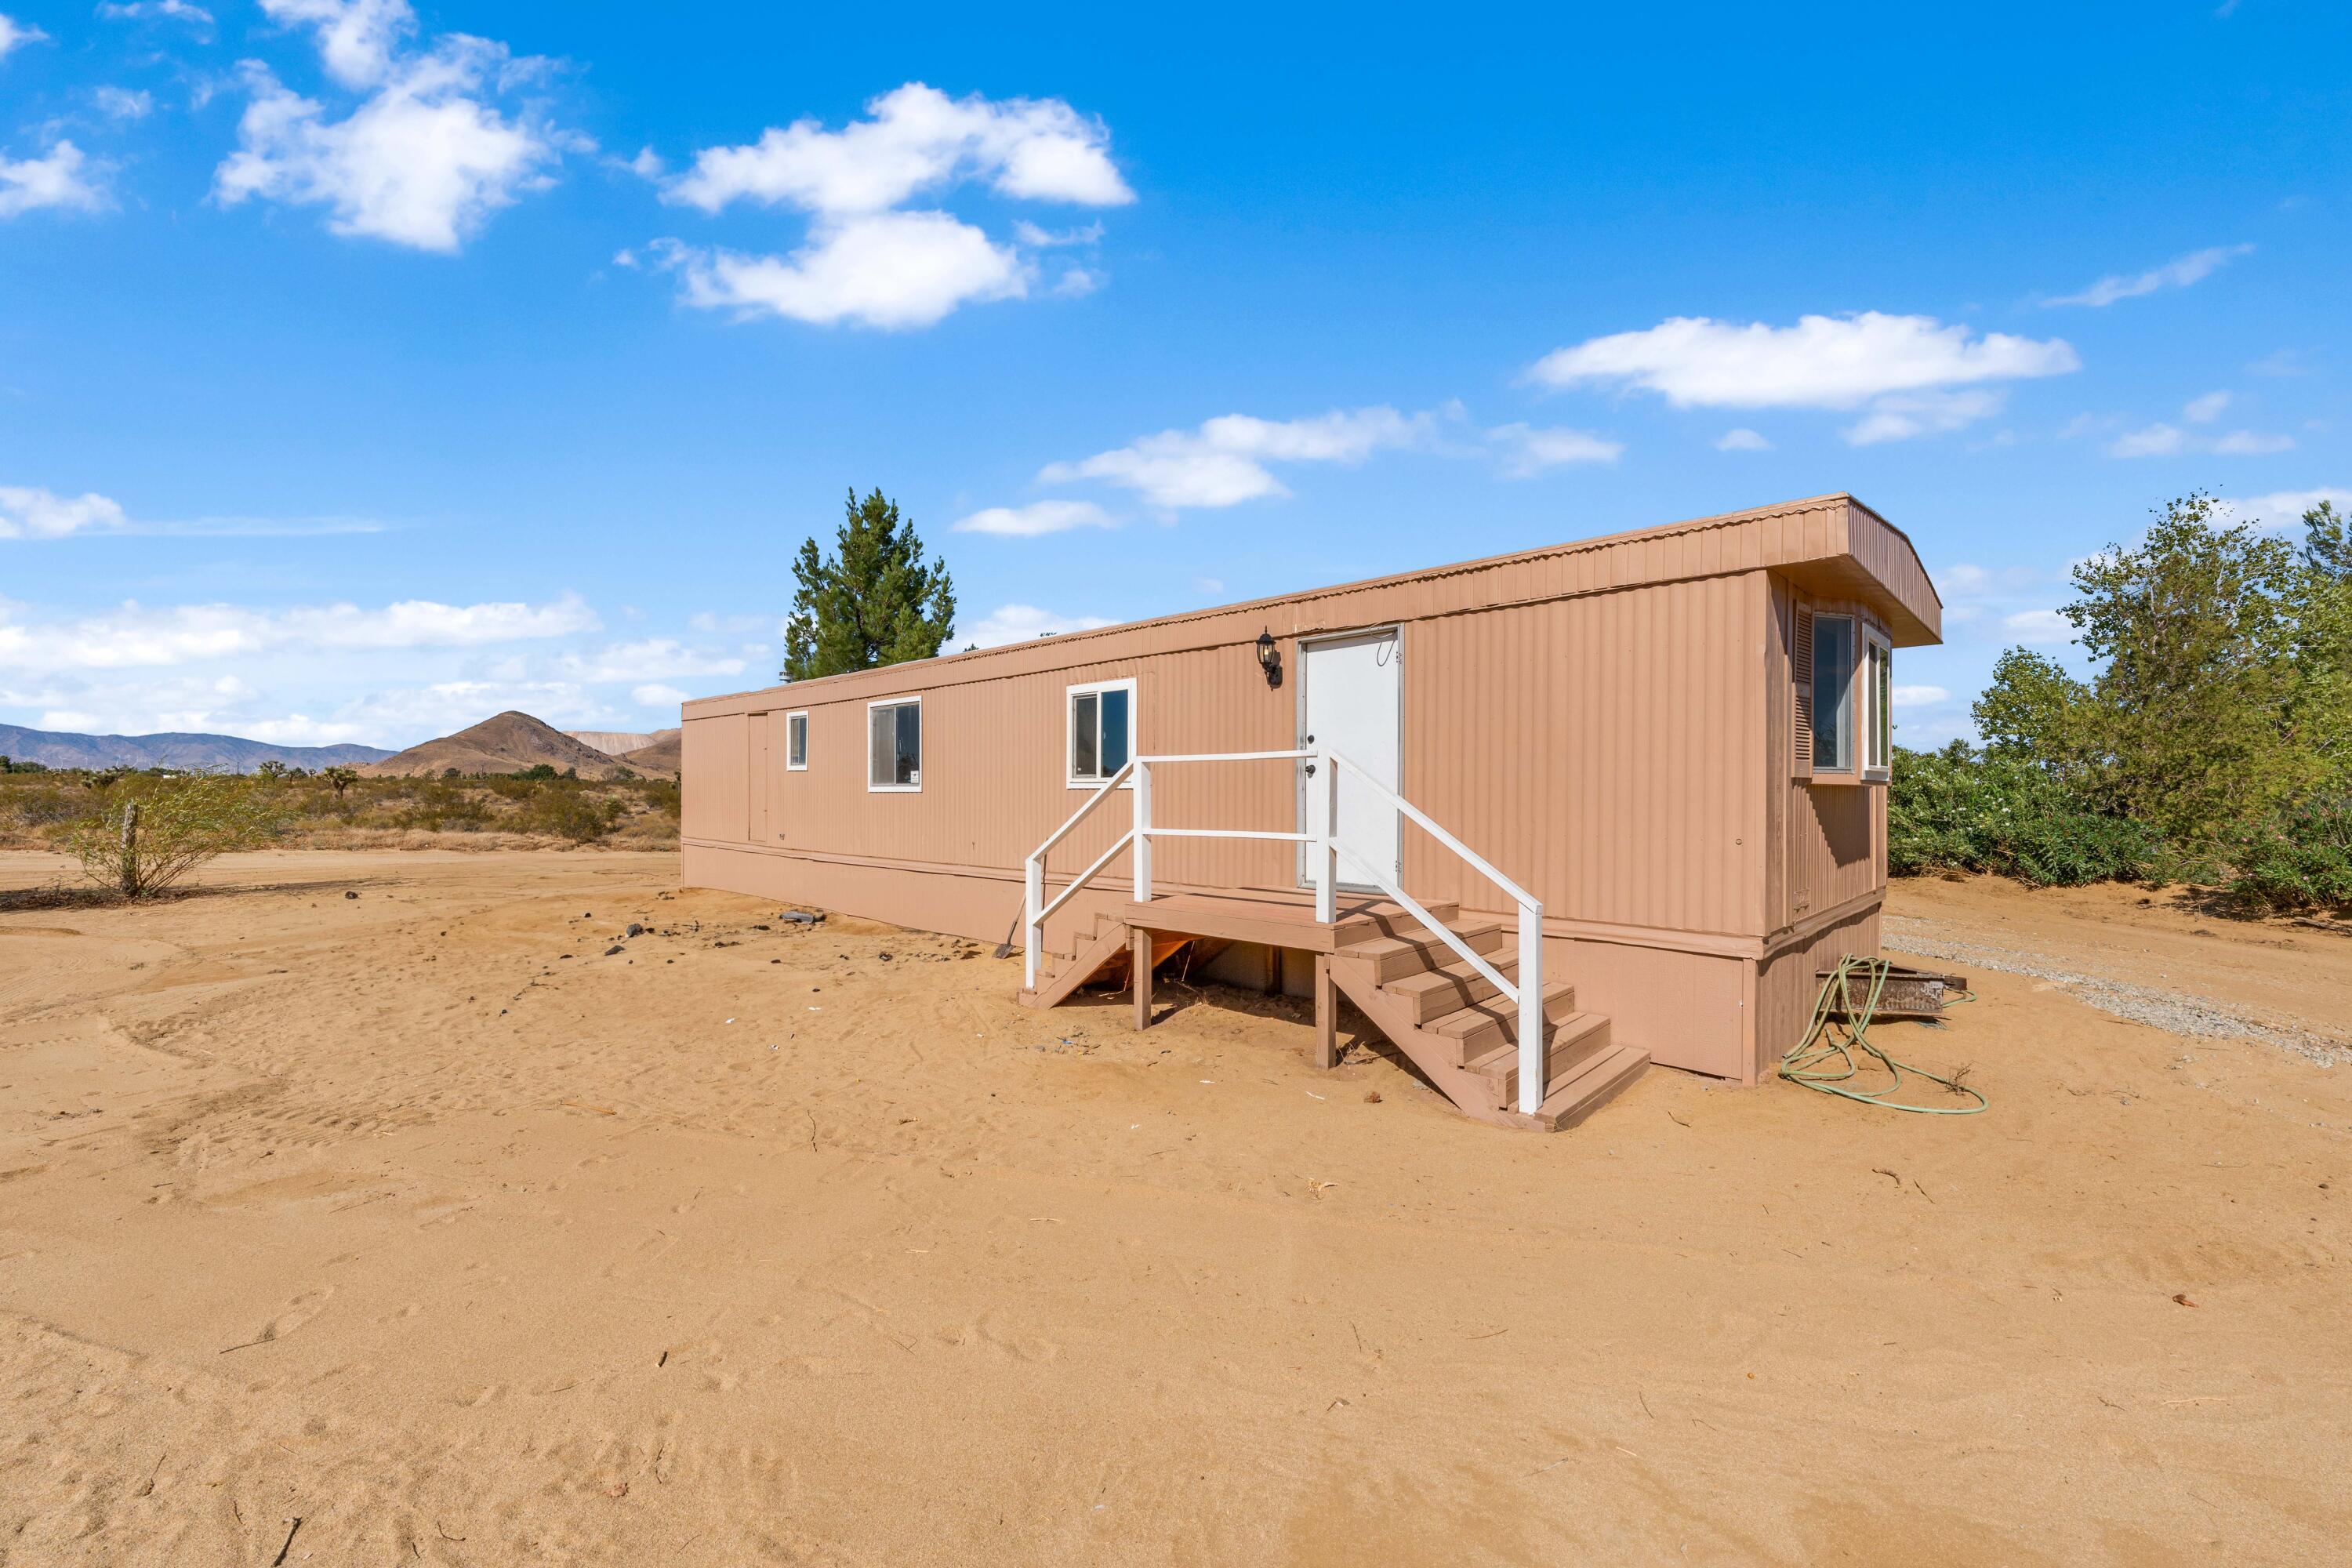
(894, 745)
(796, 740)
(1099, 731)
(1879, 679)
(1834, 735)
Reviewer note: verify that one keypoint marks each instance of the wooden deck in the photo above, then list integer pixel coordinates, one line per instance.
(1276, 918)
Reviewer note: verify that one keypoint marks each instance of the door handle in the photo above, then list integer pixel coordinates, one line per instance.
(1310, 770)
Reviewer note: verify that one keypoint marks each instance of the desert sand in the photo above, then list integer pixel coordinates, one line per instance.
(425, 1220)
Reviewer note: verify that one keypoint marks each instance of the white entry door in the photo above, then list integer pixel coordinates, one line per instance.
(1352, 698)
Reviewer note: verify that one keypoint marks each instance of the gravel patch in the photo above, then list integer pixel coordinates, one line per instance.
(2171, 1010)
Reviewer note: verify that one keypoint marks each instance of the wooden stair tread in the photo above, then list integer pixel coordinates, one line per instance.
(1594, 1084)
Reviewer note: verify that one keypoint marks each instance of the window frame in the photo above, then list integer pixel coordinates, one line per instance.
(1071, 778)
(914, 700)
(1850, 772)
(1877, 706)
(801, 715)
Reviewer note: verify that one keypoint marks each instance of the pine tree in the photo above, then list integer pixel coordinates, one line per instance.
(876, 601)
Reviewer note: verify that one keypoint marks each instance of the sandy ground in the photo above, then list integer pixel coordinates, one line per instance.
(420, 1219)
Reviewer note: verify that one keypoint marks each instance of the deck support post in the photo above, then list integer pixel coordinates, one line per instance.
(1140, 964)
(1326, 1017)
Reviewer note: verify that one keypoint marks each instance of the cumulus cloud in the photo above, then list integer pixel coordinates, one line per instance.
(30, 513)
(143, 10)
(425, 158)
(869, 261)
(133, 636)
(1020, 623)
(1036, 518)
(1527, 451)
(2179, 273)
(2162, 440)
(1921, 696)
(1225, 462)
(657, 696)
(16, 35)
(65, 177)
(1898, 417)
(914, 139)
(650, 659)
(1741, 439)
(887, 271)
(2205, 409)
(1822, 361)
(123, 103)
(2039, 627)
(2285, 509)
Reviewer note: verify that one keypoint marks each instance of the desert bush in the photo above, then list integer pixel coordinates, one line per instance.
(2293, 858)
(565, 813)
(155, 831)
(1961, 809)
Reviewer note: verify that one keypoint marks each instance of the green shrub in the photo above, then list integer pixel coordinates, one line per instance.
(2296, 859)
(565, 813)
(157, 830)
(1960, 809)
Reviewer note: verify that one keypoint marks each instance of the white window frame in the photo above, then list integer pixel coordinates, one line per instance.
(1070, 695)
(1851, 770)
(1875, 641)
(921, 746)
(791, 766)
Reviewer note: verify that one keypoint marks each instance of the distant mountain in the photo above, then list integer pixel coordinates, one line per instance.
(659, 757)
(196, 754)
(505, 745)
(612, 742)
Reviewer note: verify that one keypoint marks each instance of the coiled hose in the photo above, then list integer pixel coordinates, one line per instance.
(1808, 1061)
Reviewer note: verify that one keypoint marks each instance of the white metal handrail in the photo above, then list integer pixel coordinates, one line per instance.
(1324, 843)
(1528, 992)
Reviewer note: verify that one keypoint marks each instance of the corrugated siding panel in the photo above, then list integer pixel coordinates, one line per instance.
(711, 764)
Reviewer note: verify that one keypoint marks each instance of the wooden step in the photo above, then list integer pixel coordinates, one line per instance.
(1437, 992)
(1476, 1031)
(1395, 957)
(1575, 1040)
(1351, 929)
(1592, 1083)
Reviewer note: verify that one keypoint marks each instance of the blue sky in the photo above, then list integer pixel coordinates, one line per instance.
(368, 368)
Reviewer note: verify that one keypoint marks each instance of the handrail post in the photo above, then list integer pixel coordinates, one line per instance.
(1326, 809)
(1142, 850)
(1532, 1055)
(1032, 925)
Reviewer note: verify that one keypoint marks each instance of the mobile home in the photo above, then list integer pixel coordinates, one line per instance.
(1545, 818)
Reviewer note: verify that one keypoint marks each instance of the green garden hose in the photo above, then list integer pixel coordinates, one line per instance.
(1807, 1060)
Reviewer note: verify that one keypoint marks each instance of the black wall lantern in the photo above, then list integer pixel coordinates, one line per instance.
(1269, 658)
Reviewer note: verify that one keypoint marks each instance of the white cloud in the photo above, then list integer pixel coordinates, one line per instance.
(133, 636)
(2285, 509)
(1822, 361)
(865, 260)
(142, 10)
(123, 103)
(1528, 451)
(356, 37)
(886, 269)
(2039, 627)
(2162, 440)
(1742, 439)
(657, 696)
(1899, 417)
(62, 179)
(2179, 273)
(1921, 696)
(914, 139)
(16, 35)
(2205, 409)
(1020, 623)
(650, 659)
(423, 161)
(29, 513)
(1036, 518)
(1223, 463)
(2279, 361)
